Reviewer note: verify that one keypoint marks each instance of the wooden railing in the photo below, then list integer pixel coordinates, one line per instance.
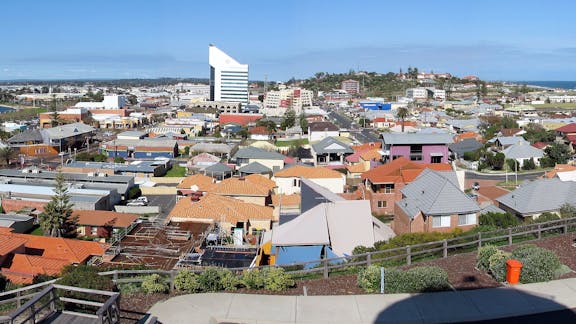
(54, 298)
(405, 255)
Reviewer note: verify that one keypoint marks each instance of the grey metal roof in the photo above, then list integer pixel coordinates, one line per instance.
(15, 217)
(68, 176)
(510, 140)
(29, 135)
(68, 130)
(435, 193)
(331, 145)
(148, 142)
(211, 148)
(136, 166)
(218, 168)
(133, 133)
(251, 152)
(522, 150)
(466, 145)
(492, 209)
(255, 167)
(540, 196)
(416, 138)
(322, 126)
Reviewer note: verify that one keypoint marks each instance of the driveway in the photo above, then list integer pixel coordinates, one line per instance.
(166, 203)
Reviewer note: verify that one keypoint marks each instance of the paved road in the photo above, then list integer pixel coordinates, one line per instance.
(362, 135)
(502, 177)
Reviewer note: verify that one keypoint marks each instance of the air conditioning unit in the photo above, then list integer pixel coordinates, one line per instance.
(26, 170)
(102, 174)
(90, 174)
(36, 171)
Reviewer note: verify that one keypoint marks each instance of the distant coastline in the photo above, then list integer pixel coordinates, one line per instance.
(567, 85)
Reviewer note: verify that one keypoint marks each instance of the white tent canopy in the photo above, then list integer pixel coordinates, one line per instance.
(342, 224)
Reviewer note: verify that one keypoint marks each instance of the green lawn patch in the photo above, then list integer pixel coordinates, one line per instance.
(176, 171)
(37, 230)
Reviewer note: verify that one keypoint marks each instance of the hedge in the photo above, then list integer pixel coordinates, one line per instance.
(414, 280)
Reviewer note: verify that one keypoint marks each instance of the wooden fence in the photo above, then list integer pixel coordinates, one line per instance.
(405, 255)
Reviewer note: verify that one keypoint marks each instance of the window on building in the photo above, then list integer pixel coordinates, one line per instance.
(441, 221)
(416, 148)
(467, 219)
(296, 183)
(382, 204)
(388, 188)
(94, 231)
(436, 159)
(415, 157)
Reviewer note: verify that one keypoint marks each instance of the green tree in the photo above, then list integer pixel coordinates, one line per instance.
(567, 210)
(119, 159)
(402, 114)
(289, 119)
(6, 154)
(529, 164)
(496, 160)
(56, 219)
(508, 122)
(537, 133)
(559, 153)
(303, 122)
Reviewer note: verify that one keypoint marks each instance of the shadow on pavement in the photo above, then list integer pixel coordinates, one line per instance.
(491, 305)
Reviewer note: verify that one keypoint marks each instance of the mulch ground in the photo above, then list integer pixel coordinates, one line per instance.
(461, 268)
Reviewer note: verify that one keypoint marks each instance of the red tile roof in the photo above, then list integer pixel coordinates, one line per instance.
(540, 145)
(241, 119)
(104, 218)
(570, 128)
(401, 170)
(510, 131)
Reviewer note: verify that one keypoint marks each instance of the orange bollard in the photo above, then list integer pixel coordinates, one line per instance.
(513, 268)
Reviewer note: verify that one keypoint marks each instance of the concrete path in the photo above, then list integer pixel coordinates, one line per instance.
(458, 306)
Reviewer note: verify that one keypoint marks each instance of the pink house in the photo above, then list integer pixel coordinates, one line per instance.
(418, 147)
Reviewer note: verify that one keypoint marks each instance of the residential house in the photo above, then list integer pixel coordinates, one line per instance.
(138, 168)
(464, 146)
(317, 131)
(140, 149)
(568, 133)
(18, 223)
(103, 224)
(201, 161)
(382, 185)
(533, 198)
(422, 148)
(247, 155)
(219, 171)
(503, 142)
(365, 157)
(51, 141)
(286, 207)
(289, 179)
(244, 189)
(217, 149)
(255, 168)
(330, 152)
(239, 119)
(507, 132)
(260, 133)
(23, 256)
(522, 152)
(433, 202)
(74, 115)
(383, 123)
(195, 183)
(228, 212)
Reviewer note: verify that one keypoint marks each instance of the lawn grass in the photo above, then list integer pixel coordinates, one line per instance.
(176, 171)
(564, 105)
(37, 230)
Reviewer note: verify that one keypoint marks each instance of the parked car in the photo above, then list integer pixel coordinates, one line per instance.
(140, 201)
(476, 186)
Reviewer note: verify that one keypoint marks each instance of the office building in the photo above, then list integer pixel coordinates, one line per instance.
(228, 78)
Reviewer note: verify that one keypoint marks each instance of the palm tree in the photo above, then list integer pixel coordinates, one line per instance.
(402, 113)
(6, 154)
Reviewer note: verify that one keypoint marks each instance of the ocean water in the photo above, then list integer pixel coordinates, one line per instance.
(570, 85)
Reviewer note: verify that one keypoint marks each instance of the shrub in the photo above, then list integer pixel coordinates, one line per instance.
(228, 280)
(497, 264)
(84, 276)
(483, 256)
(276, 279)
(369, 279)
(500, 220)
(253, 279)
(538, 264)
(418, 279)
(129, 288)
(134, 192)
(39, 278)
(154, 283)
(210, 280)
(546, 217)
(426, 279)
(186, 280)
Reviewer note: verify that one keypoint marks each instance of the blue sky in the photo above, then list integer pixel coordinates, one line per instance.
(496, 40)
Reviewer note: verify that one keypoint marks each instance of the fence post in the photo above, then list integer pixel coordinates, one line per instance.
(408, 256)
(369, 259)
(325, 261)
(479, 239)
(510, 236)
(115, 276)
(564, 229)
(172, 279)
(539, 230)
(19, 299)
(53, 299)
(445, 250)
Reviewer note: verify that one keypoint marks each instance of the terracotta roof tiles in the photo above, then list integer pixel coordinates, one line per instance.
(104, 218)
(203, 182)
(308, 172)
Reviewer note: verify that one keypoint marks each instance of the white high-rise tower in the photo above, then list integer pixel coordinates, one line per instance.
(228, 78)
